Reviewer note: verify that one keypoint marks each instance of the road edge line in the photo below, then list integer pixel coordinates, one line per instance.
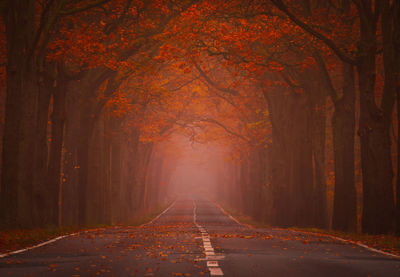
(3, 255)
(232, 217)
(372, 249)
(7, 254)
(158, 216)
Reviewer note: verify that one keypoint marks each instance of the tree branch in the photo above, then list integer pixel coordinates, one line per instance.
(213, 84)
(209, 120)
(84, 8)
(343, 56)
(326, 77)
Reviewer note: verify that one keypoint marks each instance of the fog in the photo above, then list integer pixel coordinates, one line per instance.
(197, 170)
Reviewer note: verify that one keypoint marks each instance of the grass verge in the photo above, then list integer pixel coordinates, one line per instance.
(14, 239)
(387, 243)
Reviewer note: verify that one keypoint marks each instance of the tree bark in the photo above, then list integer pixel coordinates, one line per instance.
(83, 164)
(42, 196)
(16, 192)
(374, 132)
(343, 125)
(396, 25)
(57, 134)
(292, 172)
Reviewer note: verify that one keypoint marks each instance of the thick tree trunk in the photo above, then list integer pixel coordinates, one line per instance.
(378, 206)
(391, 60)
(398, 163)
(57, 135)
(343, 125)
(116, 166)
(396, 24)
(129, 152)
(70, 159)
(83, 166)
(19, 132)
(42, 196)
(143, 175)
(292, 172)
(316, 112)
(280, 187)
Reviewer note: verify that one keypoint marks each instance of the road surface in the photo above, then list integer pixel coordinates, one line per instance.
(195, 238)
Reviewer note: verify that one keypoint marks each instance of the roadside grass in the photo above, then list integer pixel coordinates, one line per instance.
(243, 218)
(146, 216)
(14, 239)
(387, 243)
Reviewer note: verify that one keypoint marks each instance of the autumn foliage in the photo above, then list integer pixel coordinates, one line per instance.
(299, 97)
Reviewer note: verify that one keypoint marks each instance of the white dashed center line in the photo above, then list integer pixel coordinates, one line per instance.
(211, 258)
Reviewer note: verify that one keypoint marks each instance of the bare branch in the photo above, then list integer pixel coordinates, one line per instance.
(343, 56)
(84, 8)
(326, 78)
(213, 84)
(213, 121)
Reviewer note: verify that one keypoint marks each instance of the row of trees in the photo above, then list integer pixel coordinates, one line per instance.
(95, 88)
(300, 54)
(73, 138)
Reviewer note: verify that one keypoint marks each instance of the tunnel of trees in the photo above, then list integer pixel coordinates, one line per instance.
(298, 100)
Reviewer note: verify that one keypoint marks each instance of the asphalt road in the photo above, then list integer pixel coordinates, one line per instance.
(195, 238)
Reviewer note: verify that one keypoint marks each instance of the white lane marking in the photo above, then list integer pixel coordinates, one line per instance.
(233, 218)
(211, 258)
(320, 234)
(3, 255)
(216, 271)
(36, 246)
(158, 216)
(348, 241)
(212, 263)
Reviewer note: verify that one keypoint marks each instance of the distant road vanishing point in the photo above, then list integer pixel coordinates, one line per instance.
(194, 237)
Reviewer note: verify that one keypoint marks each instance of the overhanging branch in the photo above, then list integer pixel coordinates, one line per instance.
(343, 56)
(213, 84)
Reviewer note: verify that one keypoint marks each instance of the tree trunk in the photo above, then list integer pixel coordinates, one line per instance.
(396, 24)
(16, 192)
(143, 175)
(116, 173)
(292, 172)
(83, 164)
(316, 112)
(376, 162)
(343, 126)
(57, 134)
(42, 196)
